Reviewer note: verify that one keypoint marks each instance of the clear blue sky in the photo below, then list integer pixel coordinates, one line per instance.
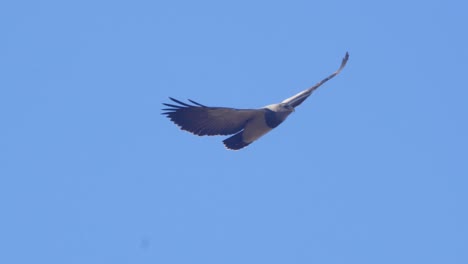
(372, 168)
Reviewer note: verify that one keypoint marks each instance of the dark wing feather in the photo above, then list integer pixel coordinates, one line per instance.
(203, 120)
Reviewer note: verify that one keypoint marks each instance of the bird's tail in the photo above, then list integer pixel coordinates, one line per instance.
(235, 142)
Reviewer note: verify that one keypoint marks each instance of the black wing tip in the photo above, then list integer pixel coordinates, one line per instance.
(182, 104)
(345, 59)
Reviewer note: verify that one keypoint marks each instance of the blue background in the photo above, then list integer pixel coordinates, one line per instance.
(372, 168)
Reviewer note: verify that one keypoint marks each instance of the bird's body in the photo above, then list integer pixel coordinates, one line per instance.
(248, 125)
(262, 121)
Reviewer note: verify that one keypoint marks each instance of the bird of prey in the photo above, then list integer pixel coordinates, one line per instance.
(247, 125)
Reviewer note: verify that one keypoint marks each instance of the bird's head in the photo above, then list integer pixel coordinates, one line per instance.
(287, 107)
(281, 108)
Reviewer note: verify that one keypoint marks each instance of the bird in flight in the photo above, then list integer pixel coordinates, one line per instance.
(247, 125)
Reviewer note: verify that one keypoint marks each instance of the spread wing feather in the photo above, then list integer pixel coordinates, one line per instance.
(297, 99)
(203, 120)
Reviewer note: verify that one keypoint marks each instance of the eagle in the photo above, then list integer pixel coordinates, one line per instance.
(247, 125)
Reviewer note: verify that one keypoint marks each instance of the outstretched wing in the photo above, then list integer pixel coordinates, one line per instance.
(297, 99)
(203, 120)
